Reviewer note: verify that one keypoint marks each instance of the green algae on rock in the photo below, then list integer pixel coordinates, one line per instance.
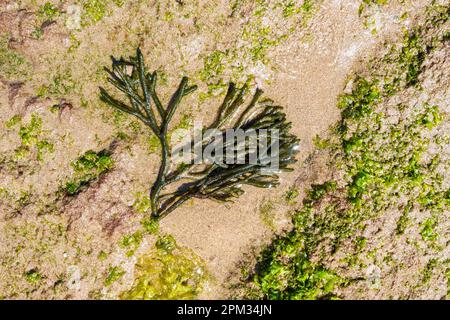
(13, 65)
(385, 159)
(87, 168)
(167, 272)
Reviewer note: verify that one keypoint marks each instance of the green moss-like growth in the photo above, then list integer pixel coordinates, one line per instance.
(404, 221)
(213, 65)
(168, 272)
(102, 255)
(360, 101)
(291, 196)
(59, 85)
(47, 12)
(428, 232)
(32, 137)
(33, 276)
(266, 212)
(88, 168)
(142, 203)
(259, 39)
(366, 4)
(285, 270)
(385, 165)
(428, 270)
(114, 274)
(318, 191)
(131, 242)
(150, 225)
(13, 65)
(96, 10)
(13, 121)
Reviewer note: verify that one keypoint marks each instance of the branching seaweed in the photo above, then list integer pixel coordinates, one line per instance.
(215, 180)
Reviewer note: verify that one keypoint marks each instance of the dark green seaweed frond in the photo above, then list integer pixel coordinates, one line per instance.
(215, 179)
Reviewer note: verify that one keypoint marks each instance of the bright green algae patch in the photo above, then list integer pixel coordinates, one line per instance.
(34, 139)
(87, 168)
(13, 65)
(386, 161)
(167, 272)
(95, 10)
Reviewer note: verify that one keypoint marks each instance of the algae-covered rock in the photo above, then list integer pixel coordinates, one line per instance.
(168, 272)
